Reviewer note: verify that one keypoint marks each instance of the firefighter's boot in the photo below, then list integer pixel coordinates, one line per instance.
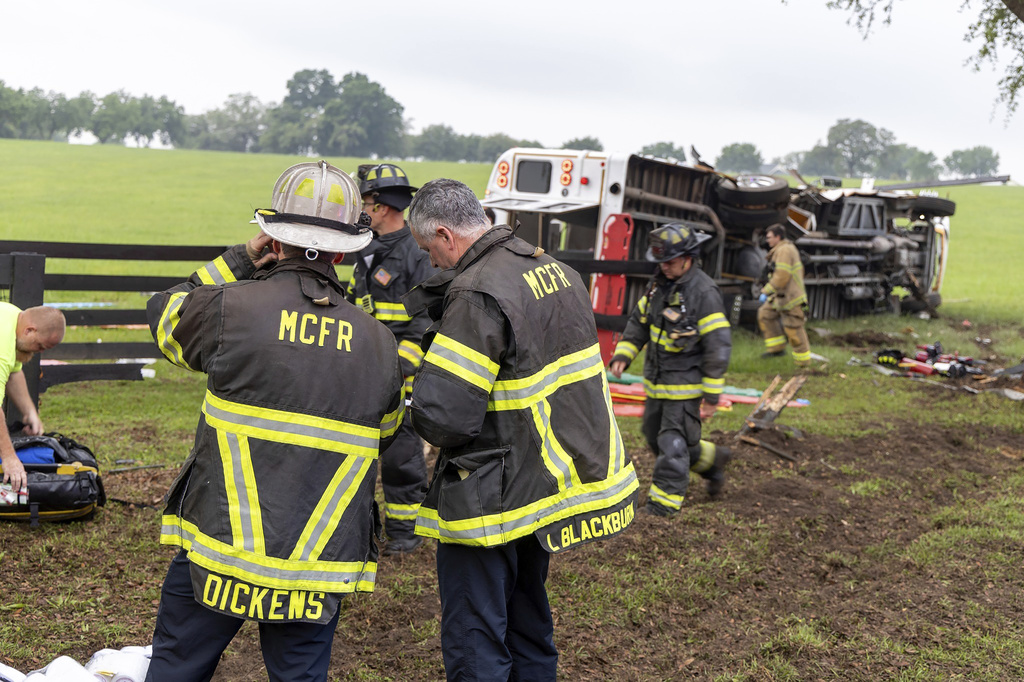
(402, 545)
(655, 509)
(716, 475)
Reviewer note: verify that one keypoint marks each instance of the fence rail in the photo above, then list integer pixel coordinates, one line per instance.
(23, 273)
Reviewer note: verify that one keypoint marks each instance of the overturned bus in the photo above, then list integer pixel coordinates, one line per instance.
(863, 250)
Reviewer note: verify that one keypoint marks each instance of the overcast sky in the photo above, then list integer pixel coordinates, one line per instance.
(628, 72)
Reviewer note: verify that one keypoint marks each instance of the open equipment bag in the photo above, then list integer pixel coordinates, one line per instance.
(69, 488)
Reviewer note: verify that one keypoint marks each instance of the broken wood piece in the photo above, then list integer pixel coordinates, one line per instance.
(770, 448)
(757, 424)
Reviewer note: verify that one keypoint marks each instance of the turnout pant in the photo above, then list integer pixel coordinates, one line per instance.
(778, 326)
(495, 619)
(190, 638)
(403, 473)
(672, 430)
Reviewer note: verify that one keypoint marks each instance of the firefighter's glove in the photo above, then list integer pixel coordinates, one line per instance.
(763, 297)
(890, 357)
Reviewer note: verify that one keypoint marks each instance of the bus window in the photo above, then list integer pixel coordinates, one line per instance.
(533, 176)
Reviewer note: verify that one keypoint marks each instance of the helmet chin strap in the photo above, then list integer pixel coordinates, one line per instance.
(312, 254)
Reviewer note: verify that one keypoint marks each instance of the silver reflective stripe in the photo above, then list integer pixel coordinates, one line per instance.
(303, 430)
(338, 578)
(168, 321)
(464, 363)
(548, 447)
(241, 499)
(537, 519)
(325, 524)
(543, 385)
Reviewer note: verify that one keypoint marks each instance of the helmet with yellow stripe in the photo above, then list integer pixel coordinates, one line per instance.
(674, 240)
(316, 206)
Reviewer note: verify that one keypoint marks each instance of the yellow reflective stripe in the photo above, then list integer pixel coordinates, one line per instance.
(391, 312)
(672, 391)
(616, 462)
(411, 352)
(266, 571)
(557, 461)
(660, 337)
(407, 386)
(665, 499)
(642, 305)
(459, 359)
(713, 386)
(169, 319)
(711, 323)
(222, 267)
(520, 394)
(253, 497)
(496, 529)
(392, 420)
(707, 457)
(787, 266)
(799, 300)
(240, 488)
(404, 512)
(323, 522)
(774, 342)
(626, 348)
(801, 357)
(292, 428)
(238, 533)
(204, 276)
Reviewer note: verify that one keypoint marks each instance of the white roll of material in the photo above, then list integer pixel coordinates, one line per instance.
(8, 674)
(120, 666)
(63, 669)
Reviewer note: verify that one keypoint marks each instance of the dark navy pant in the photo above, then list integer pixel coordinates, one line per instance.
(495, 619)
(189, 638)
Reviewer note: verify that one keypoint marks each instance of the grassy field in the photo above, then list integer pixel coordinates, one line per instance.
(887, 552)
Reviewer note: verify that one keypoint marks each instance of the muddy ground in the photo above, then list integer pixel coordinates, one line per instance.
(697, 596)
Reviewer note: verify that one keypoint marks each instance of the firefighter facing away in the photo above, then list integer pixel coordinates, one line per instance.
(781, 315)
(682, 318)
(385, 271)
(273, 510)
(513, 390)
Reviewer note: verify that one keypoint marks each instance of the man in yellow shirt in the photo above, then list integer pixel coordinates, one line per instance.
(23, 333)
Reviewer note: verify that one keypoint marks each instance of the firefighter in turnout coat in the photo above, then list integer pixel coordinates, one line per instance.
(385, 271)
(273, 510)
(513, 391)
(682, 318)
(781, 315)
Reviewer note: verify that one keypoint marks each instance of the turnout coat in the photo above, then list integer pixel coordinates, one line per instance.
(274, 504)
(785, 289)
(385, 271)
(513, 391)
(689, 336)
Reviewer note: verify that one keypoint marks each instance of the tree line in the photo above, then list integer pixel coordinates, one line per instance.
(856, 148)
(354, 116)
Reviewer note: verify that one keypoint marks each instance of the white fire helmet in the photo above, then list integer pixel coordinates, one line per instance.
(316, 206)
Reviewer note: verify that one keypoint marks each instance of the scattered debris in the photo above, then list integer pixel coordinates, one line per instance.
(766, 410)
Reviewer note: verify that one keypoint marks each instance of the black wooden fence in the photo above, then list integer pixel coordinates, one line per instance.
(23, 274)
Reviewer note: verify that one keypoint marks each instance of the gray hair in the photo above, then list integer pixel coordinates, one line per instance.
(446, 202)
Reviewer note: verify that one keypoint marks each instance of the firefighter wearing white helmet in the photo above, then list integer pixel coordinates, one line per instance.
(273, 511)
(682, 319)
(387, 269)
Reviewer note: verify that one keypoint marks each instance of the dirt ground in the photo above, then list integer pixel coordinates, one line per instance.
(806, 565)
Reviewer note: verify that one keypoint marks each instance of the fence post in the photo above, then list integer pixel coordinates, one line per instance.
(27, 271)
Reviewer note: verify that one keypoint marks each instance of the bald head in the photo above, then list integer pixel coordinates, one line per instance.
(39, 328)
